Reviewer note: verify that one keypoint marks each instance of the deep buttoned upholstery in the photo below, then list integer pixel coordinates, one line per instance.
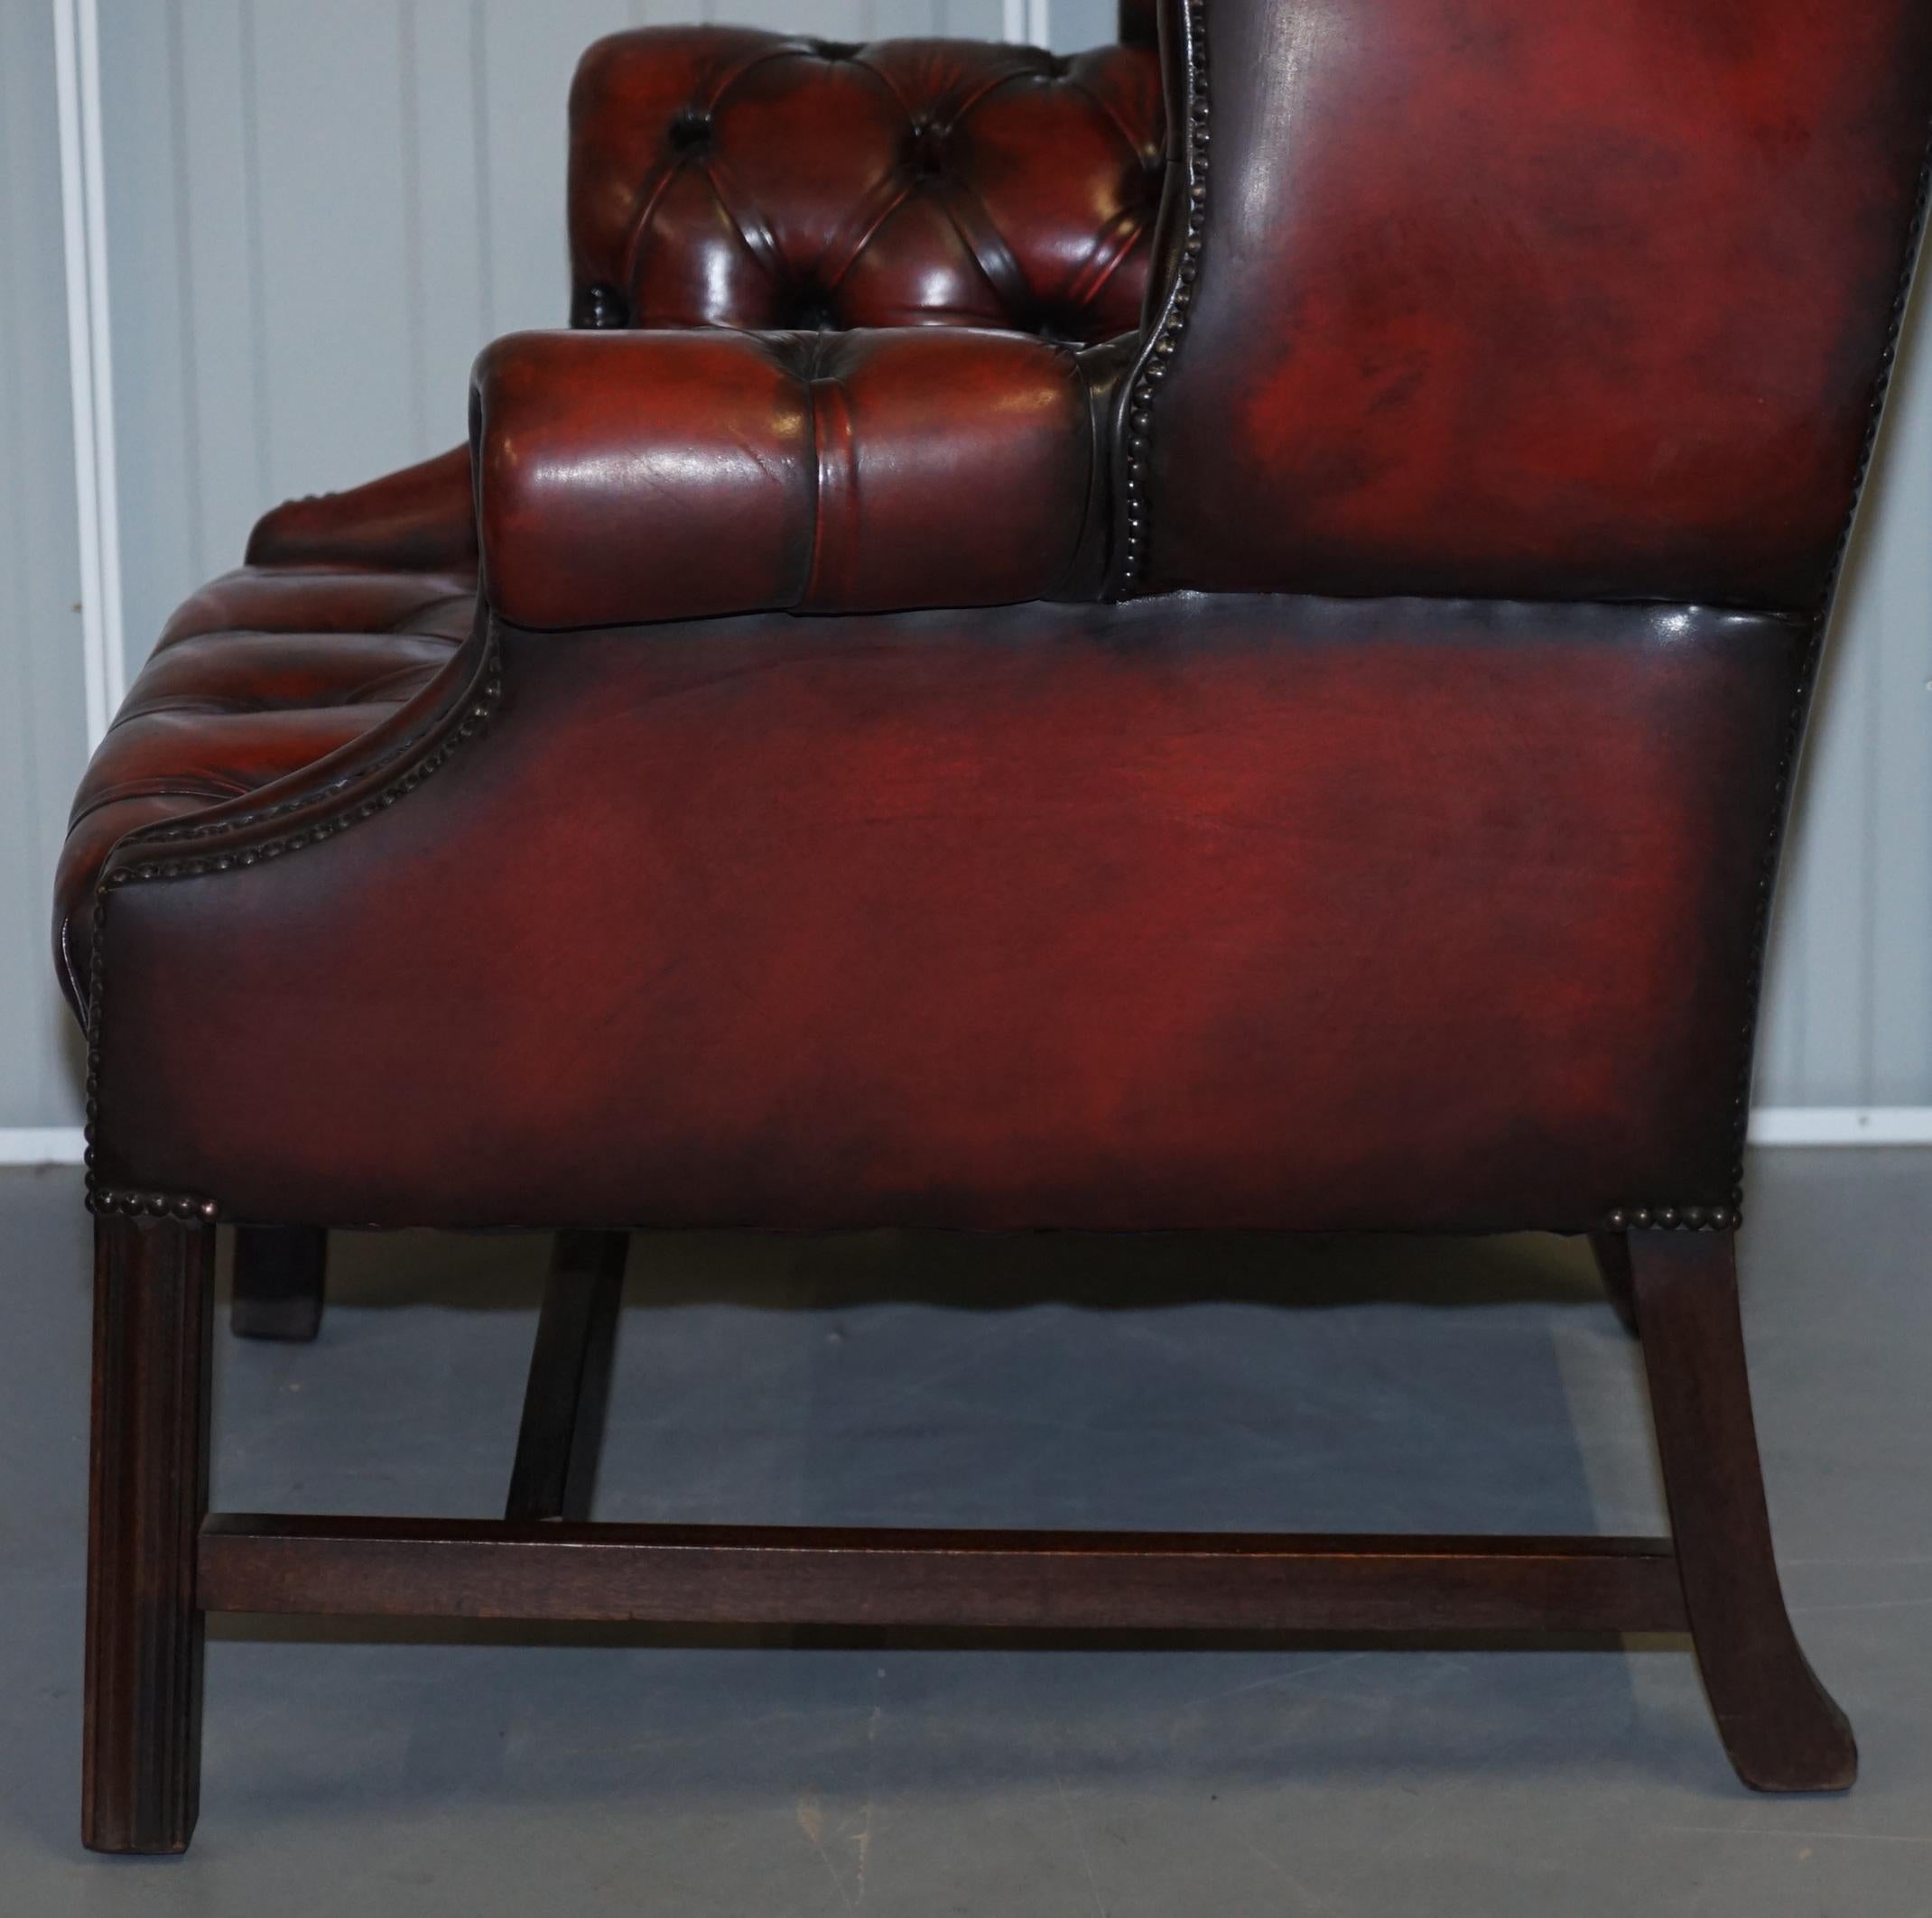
(724, 177)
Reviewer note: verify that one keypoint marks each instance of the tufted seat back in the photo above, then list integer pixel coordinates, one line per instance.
(726, 177)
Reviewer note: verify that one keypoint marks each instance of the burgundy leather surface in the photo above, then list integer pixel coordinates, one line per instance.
(1502, 296)
(660, 476)
(1241, 911)
(257, 676)
(726, 177)
(1065, 152)
(1242, 908)
(422, 519)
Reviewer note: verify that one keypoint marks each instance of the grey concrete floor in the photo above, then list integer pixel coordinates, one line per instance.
(1378, 1386)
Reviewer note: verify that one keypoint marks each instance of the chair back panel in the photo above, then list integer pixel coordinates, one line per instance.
(1517, 299)
(726, 177)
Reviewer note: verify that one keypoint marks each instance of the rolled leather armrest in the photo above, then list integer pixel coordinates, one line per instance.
(628, 476)
(422, 519)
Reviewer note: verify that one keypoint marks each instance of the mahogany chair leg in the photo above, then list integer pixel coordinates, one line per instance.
(563, 1429)
(1781, 1729)
(141, 1769)
(1612, 1251)
(278, 1282)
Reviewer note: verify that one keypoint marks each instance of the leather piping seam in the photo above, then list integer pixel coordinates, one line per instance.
(882, 201)
(638, 242)
(753, 230)
(947, 110)
(832, 570)
(422, 754)
(169, 641)
(1811, 654)
(165, 831)
(985, 245)
(236, 706)
(1116, 240)
(211, 789)
(1164, 337)
(1093, 413)
(1110, 112)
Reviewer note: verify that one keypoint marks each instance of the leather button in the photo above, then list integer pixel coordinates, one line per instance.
(925, 149)
(691, 132)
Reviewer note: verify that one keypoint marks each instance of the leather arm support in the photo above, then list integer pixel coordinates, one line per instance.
(628, 477)
(420, 519)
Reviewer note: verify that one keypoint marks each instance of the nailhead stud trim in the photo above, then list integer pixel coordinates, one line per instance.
(1164, 338)
(1671, 1218)
(1811, 653)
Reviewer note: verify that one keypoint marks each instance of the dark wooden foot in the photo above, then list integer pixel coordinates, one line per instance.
(557, 1446)
(278, 1282)
(1779, 1726)
(1612, 1251)
(141, 1767)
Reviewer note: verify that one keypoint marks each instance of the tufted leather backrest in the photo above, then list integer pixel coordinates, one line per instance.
(726, 177)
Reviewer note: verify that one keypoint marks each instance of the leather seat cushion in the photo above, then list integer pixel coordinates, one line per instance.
(1203, 911)
(259, 674)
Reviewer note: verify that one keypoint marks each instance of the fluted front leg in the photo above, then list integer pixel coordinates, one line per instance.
(153, 1281)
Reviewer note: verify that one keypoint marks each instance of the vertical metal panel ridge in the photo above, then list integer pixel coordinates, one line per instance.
(408, 107)
(194, 493)
(478, 52)
(1848, 1013)
(218, 299)
(44, 708)
(104, 583)
(148, 325)
(335, 301)
(1899, 934)
(263, 435)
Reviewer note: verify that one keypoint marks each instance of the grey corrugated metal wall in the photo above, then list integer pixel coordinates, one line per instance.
(42, 711)
(316, 214)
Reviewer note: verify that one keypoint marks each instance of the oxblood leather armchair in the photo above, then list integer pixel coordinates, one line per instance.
(1279, 715)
